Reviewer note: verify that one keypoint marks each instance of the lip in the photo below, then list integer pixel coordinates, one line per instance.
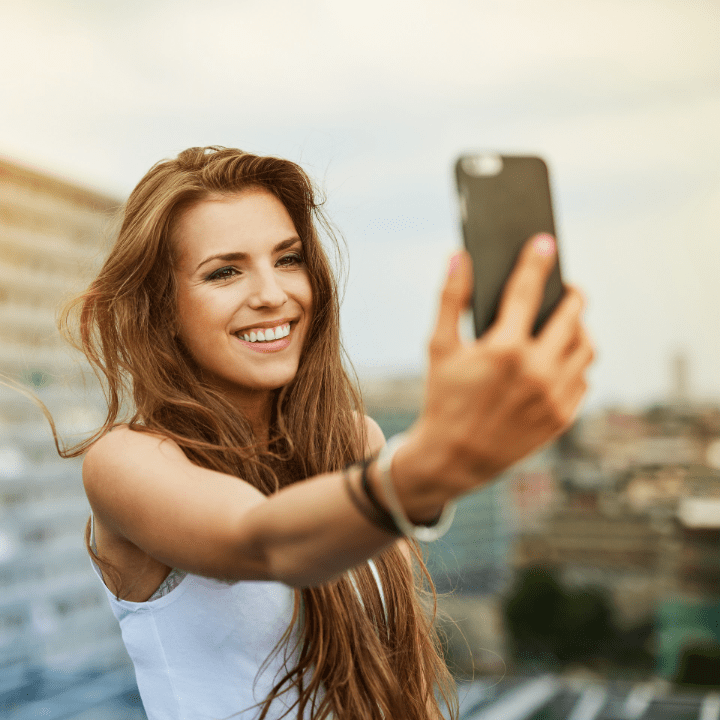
(265, 325)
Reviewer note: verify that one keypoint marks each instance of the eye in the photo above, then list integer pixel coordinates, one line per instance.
(290, 260)
(222, 274)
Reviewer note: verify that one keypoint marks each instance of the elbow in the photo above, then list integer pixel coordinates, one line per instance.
(286, 570)
(259, 555)
(291, 570)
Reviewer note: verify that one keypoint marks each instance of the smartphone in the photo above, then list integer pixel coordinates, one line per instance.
(504, 201)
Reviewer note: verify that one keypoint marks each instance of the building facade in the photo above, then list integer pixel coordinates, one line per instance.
(637, 514)
(53, 613)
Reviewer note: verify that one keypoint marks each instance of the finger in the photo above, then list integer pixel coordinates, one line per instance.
(561, 411)
(524, 289)
(561, 329)
(574, 373)
(580, 340)
(580, 358)
(576, 395)
(574, 343)
(454, 300)
(550, 394)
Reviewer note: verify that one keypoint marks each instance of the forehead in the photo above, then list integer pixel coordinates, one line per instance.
(251, 221)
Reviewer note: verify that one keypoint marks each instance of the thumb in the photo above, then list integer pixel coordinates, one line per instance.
(454, 299)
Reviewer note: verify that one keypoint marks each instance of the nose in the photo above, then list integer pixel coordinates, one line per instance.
(266, 290)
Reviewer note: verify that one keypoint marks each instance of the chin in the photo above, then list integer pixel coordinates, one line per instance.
(267, 382)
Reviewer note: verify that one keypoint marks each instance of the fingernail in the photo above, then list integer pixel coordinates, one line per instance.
(544, 244)
(453, 264)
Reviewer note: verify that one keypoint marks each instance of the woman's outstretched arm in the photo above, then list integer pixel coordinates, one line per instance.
(488, 404)
(143, 489)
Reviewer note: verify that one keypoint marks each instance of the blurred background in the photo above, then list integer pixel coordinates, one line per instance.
(586, 582)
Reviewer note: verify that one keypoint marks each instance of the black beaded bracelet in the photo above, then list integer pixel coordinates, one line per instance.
(376, 514)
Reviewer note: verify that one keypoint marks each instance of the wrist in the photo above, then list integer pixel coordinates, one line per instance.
(428, 530)
(415, 470)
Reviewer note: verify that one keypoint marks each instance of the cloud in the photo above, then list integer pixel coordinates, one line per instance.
(275, 56)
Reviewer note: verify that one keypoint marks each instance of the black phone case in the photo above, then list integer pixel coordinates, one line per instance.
(504, 200)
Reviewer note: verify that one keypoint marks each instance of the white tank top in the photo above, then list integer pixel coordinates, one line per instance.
(199, 650)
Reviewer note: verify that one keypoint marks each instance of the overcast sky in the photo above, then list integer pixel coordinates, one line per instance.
(376, 99)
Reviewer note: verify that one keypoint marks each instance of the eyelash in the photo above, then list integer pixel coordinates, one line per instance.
(218, 274)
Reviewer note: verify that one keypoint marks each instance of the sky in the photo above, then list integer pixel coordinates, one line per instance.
(376, 100)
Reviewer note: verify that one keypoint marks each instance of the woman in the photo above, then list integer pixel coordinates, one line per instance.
(235, 511)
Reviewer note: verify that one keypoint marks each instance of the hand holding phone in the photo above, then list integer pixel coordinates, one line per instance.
(493, 401)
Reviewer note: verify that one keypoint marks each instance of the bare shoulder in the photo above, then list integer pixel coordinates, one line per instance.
(122, 437)
(375, 436)
(118, 449)
(145, 491)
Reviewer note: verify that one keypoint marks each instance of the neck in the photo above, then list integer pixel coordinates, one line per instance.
(257, 408)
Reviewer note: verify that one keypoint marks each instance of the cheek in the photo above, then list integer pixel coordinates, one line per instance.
(309, 305)
(194, 314)
(183, 313)
(304, 293)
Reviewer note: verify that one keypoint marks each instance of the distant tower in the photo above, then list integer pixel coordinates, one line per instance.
(679, 391)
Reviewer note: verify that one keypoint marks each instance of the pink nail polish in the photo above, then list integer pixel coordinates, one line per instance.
(544, 244)
(454, 262)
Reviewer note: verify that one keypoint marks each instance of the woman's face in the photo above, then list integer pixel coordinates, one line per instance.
(241, 277)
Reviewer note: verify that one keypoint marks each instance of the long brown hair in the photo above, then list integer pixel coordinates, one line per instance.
(357, 655)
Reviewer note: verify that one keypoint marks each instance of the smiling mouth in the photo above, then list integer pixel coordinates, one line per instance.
(264, 335)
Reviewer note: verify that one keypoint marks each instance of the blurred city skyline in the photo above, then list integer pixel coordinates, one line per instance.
(376, 101)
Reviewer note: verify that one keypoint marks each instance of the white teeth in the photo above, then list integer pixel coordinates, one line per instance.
(280, 331)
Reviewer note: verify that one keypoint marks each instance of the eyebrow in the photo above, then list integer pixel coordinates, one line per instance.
(235, 256)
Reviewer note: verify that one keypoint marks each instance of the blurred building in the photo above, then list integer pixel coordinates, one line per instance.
(54, 617)
(51, 235)
(637, 513)
(393, 401)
